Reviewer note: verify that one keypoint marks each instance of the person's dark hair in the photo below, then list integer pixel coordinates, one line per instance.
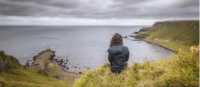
(116, 40)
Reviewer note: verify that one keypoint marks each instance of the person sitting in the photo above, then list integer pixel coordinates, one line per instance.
(118, 54)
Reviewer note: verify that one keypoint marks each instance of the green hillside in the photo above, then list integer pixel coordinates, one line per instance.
(174, 34)
(12, 74)
(179, 70)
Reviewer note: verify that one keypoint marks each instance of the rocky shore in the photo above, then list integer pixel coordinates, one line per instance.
(46, 63)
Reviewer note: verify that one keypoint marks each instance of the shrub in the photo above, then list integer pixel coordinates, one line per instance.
(7, 62)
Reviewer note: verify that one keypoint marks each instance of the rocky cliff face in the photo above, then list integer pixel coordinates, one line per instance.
(42, 59)
(45, 63)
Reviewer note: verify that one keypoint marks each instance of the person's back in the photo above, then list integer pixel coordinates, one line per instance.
(118, 54)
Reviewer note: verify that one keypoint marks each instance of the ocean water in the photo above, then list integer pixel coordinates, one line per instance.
(84, 46)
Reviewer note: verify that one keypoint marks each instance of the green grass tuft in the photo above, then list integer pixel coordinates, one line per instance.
(181, 70)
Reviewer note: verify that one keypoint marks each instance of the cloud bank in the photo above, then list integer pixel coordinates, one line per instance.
(100, 9)
(72, 21)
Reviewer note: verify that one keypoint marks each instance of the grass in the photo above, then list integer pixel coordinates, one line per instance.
(180, 70)
(15, 75)
(28, 78)
(175, 35)
(8, 61)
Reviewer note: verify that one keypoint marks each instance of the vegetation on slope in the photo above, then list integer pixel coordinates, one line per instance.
(28, 78)
(13, 74)
(180, 70)
(173, 34)
(8, 62)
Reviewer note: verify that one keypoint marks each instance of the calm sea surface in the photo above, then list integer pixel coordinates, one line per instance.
(84, 46)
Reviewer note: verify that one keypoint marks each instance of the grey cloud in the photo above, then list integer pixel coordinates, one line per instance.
(100, 8)
(14, 9)
(34, 7)
(139, 9)
(55, 3)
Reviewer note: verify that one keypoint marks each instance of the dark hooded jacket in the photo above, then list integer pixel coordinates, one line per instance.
(118, 57)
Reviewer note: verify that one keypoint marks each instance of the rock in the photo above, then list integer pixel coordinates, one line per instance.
(144, 29)
(79, 72)
(54, 70)
(41, 60)
(46, 63)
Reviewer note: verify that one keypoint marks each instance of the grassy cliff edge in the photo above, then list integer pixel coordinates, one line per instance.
(174, 35)
(180, 70)
(13, 74)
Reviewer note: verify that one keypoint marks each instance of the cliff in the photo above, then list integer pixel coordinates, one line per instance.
(173, 34)
(13, 74)
(179, 70)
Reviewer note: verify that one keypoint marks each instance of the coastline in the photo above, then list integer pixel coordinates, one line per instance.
(160, 45)
(142, 37)
(153, 72)
(170, 35)
(179, 70)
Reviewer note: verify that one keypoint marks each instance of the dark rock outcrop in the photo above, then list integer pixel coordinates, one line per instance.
(45, 63)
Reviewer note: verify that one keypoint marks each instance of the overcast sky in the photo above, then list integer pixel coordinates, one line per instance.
(95, 12)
